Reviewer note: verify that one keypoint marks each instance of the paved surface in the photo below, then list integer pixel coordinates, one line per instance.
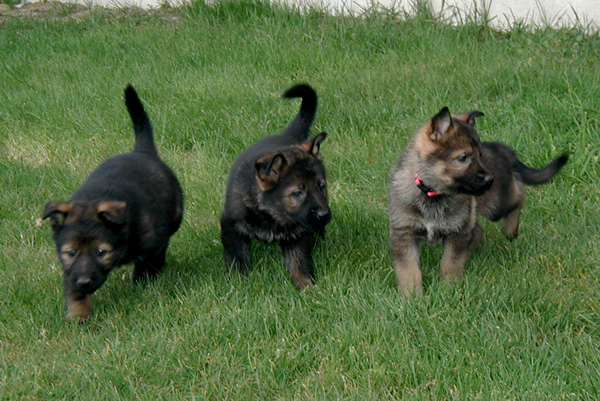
(501, 13)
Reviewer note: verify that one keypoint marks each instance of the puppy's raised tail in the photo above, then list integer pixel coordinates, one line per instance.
(299, 128)
(533, 176)
(144, 138)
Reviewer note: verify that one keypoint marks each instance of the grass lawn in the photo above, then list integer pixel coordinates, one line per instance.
(524, 324)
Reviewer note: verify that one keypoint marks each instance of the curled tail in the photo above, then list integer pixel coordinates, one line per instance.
(144, 139)
(298, 128)
(532, 176)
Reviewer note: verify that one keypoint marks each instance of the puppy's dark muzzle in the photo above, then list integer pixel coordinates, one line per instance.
(479, 186)
(321, 216)
(87, 285)
(482, 184)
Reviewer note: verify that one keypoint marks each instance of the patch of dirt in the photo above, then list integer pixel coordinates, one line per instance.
(53, 10)
(39, 10)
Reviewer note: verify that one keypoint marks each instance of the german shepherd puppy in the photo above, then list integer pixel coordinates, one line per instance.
(445, 178)
(125, 212)
(277, 191)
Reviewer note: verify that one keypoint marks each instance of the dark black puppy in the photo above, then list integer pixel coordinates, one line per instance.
(125, 212)
(277, 192)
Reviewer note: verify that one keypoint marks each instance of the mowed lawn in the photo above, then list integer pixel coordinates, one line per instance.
(524, 324)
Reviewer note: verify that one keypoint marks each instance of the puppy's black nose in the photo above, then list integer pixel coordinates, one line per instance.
(488, 180)
(485, 180)
(322, 214)
(84, 283)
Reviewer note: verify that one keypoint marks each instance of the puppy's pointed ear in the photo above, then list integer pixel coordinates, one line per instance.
(112, 212)
(470, 116)
(57, 213)
(440, 124)
(313, 145)
(269, 169)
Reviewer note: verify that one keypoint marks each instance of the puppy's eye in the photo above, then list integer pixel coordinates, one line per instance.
(70, 253)
(464, 158)
(298, 193)
(100, 253)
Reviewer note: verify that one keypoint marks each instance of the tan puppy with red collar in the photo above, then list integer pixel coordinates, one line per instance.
(445, 178)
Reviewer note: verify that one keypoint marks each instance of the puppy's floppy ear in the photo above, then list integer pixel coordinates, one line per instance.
(57, 213)
(112, 212)
(469, 116)
(313, 145)
(269, 169)
(440, 123)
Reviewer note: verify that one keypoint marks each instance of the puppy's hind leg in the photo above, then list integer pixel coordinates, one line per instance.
(510, 223)
(149, 266)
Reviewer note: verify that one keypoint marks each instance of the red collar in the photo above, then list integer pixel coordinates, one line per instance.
(426, 190)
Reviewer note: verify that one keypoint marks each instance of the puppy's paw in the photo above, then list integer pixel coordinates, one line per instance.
(79, 309)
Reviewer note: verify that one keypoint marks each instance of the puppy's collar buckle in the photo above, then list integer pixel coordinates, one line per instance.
(426, 190)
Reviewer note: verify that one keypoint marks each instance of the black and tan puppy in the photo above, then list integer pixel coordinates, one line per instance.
(277, 192)
(445, 178)
(125, 212)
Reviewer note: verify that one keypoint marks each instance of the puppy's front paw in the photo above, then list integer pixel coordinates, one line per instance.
(79, 309)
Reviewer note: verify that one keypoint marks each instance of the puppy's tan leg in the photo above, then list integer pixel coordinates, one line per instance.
(477, 237)
(79, 307)
(510, 223)
(456, 250)
(405, 251)
(298, 259)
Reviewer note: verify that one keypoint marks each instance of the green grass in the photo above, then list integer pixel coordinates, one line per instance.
(524, 324)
